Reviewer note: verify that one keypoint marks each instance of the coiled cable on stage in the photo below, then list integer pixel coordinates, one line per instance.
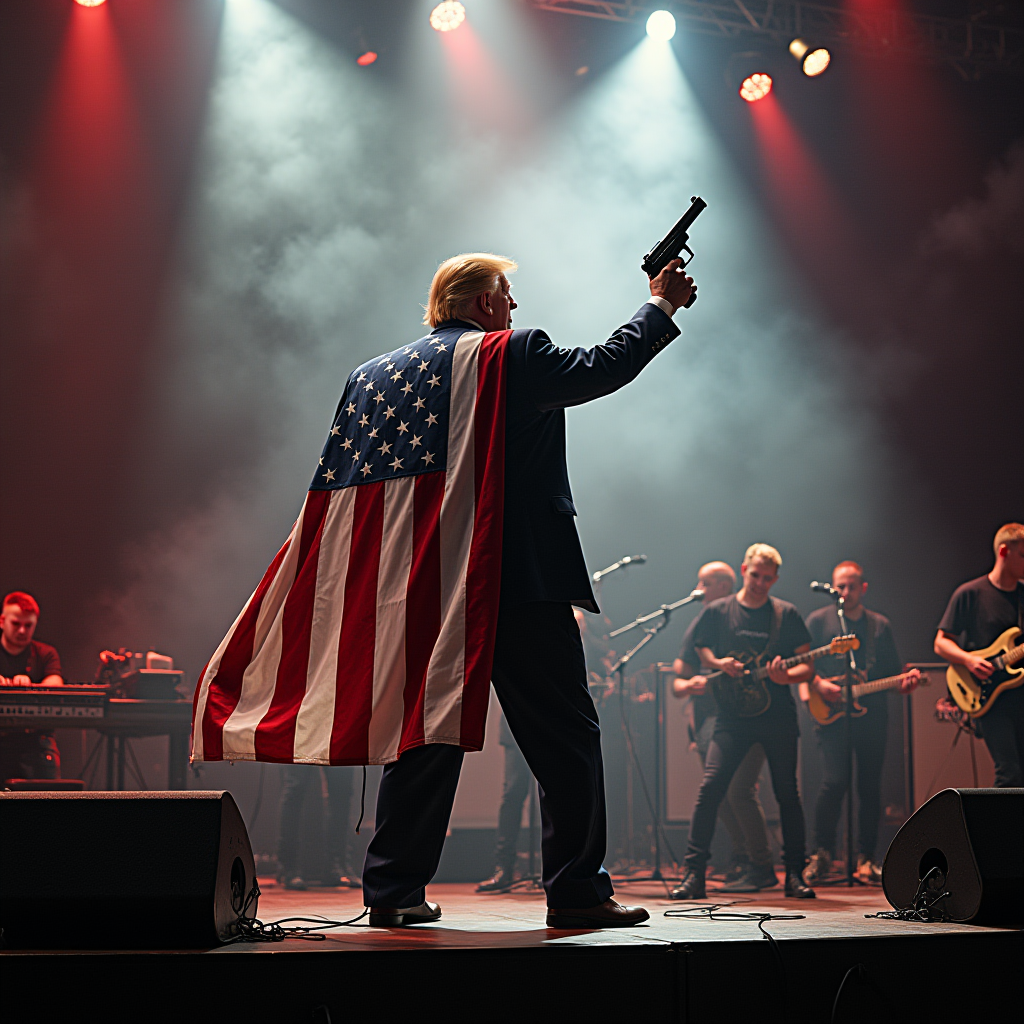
(252, 929)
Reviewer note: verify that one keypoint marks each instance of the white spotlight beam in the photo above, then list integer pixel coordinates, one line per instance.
(988, 41)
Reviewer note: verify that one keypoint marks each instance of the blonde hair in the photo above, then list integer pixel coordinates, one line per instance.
(763, 553)
(461, 279)
(1011, 533)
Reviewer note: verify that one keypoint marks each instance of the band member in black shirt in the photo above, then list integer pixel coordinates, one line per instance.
(977, 614)
(740, 812)
(26, 753)
(876, 658)
(748, 625)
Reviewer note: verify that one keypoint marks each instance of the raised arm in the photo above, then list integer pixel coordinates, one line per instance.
(557, 378)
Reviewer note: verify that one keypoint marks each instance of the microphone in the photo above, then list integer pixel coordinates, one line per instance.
(630, 559)
(696, 595)
(824, 588)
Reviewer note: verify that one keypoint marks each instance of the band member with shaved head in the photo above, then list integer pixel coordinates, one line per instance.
(731, 633)
(740, 812)
(876, 659)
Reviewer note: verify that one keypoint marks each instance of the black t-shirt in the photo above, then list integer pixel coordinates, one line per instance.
(37, 661)
(978, 612)
(876, 654)
(729, 628)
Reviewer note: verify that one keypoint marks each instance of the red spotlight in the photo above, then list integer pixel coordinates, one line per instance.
(90, 3)
(447, 16)
(755, 87)
(366, 58)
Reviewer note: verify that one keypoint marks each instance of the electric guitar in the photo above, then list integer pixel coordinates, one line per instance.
(827, 710)
(747, 696)
(976, 696)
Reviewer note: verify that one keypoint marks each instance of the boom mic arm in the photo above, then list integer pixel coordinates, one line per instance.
(620, 564)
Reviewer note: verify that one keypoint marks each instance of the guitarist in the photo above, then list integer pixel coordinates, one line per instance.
(877, 658)
(977, 614)
(740, 812)
(748, 625)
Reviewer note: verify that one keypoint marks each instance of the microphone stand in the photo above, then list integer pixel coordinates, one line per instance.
(850, 675)
(663, 615)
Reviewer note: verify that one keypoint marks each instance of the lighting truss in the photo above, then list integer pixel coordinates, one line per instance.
(990, 39)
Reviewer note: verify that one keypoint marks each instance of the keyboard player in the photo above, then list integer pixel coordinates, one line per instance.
(26, 753)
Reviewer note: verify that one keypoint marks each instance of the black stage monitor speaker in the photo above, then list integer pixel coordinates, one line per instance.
(122, 870)
(975, 837)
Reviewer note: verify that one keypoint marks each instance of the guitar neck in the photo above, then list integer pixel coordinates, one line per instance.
(877, 685)
(797, 659)
(1013, 655)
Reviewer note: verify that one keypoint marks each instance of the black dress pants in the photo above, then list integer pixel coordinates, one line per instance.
(868, 735)
(729, 746)
(540, 677)
(514, 791)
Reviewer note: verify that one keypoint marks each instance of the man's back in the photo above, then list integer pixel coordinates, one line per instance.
(542, 559)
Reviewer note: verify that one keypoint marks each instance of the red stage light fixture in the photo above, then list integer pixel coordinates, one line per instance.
(90, 3)
(813, 61)
(365, 59)
(755, 87)
(447, 16)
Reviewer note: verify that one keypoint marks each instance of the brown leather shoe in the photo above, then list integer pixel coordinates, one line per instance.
(606, 915)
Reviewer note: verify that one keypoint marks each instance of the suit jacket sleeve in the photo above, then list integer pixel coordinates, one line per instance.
(558, 378)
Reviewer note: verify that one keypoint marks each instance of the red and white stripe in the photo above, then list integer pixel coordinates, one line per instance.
(373, 629)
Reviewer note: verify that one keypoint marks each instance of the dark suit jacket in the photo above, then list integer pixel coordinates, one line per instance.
(542, 559)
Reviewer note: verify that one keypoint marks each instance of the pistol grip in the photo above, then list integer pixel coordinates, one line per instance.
(692, 299)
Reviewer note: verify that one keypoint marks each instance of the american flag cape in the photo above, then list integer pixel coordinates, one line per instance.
(373, 629)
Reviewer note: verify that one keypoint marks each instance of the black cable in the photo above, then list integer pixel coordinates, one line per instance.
(252, 929)
(859, 968)
(362, 802)
(717, 912)
(921, 907)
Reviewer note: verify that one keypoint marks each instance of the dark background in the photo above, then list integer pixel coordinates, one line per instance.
(928, 167)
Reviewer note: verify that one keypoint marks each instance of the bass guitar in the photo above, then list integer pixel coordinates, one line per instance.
(747, 695)
(828, 710)
(976, 696)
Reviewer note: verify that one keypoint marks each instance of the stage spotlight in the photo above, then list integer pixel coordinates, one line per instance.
(755, 87)
(812, 61)
(661, 26)
(447, 16)
(366, 58)
(90, 3)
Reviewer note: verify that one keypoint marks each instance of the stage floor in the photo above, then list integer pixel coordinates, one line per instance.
(492, 958)
(516, 920)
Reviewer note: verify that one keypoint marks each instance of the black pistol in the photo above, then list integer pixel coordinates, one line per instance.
(673, 244)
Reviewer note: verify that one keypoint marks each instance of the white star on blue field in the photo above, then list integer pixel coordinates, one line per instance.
(392, 420)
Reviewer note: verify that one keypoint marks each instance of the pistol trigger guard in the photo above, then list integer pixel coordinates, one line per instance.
(686, 263)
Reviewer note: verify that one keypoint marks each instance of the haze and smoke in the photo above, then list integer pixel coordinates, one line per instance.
(321, 208)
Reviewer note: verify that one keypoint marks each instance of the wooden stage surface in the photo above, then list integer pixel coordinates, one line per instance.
(492, 958)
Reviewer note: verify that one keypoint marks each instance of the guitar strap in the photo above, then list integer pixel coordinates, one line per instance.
(868, 653)
(774, 630)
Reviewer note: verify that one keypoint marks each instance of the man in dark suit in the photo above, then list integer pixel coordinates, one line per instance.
(539, 672)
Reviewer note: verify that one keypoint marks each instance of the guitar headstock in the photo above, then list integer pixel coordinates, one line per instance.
(842, 644)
